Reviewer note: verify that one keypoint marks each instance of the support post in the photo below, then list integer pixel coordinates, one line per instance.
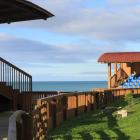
(109, 75)
(115, 68)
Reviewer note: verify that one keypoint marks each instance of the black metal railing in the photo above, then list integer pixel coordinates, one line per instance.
(15, 77)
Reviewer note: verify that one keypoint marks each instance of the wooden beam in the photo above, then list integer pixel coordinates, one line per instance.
(115, 68)
(109, 75)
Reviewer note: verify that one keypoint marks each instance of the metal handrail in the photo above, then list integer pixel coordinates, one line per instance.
(15, 77)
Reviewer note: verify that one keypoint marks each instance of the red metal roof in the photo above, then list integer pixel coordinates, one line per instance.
(119, 57)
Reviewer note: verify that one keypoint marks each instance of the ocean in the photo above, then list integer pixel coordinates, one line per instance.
(68, 86)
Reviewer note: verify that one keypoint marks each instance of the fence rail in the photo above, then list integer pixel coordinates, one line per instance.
(15, 77)
(28, 100)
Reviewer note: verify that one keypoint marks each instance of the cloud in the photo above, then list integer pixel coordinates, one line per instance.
(95, 30)
(111, 23)
(4, 37)
(35, 52)
(26, 51)
(94, 73)
(124, 2)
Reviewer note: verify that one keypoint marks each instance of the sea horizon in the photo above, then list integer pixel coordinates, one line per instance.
(68, 86)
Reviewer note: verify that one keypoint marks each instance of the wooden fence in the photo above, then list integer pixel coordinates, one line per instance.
(28, 100)
(50, 109)
(50, 112)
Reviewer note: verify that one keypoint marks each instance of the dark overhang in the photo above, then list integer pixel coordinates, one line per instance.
(21, 10)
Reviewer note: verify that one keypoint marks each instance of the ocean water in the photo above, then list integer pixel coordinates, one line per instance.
(68, 86)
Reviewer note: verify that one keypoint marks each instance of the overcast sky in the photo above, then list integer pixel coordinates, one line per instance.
(67, 46)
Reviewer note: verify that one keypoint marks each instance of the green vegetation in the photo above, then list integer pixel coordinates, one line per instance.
(101, 126)
(129, 100)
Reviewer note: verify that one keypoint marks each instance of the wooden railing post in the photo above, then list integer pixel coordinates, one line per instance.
(92, 100)
(65, 104)
(76, 109)
(97, 100)
(54, 111)
(86, 103)
(105, 98)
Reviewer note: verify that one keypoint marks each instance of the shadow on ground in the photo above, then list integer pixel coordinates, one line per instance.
(66, 131)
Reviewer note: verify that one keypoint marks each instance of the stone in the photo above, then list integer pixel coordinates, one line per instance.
(20, 126)
(122, 113)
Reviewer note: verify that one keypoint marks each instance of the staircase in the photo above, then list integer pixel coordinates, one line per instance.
(13, 82)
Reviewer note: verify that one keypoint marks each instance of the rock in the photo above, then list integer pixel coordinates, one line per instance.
(122, 113)
(20, 126)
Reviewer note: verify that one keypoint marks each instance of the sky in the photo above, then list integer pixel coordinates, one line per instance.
(67, 46)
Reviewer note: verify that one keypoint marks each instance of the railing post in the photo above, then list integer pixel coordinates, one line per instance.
(19, 79)
(54, 111)
(76, 109)
(97, 100)
(30, 83)
(65, 104)
(86, 103)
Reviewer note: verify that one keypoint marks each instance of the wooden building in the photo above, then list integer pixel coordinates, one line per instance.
(126, 70)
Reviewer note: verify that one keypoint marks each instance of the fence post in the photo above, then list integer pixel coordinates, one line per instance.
(54, 112)
(97, 100)
(86, 102)
(76, 109)
(105, 97)
(20, 126)
(65, 106)
(91, 98)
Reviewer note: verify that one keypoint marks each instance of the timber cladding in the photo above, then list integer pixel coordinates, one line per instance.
(50, 112)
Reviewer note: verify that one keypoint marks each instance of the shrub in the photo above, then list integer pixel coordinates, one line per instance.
(129, 100)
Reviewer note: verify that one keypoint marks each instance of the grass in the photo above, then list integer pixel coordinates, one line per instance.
(98, 126)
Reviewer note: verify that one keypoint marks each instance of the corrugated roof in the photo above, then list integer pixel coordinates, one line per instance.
(120, 57)
(21, 10)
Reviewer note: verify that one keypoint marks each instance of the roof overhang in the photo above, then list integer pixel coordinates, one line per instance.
(120, 57)
(21, 10)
